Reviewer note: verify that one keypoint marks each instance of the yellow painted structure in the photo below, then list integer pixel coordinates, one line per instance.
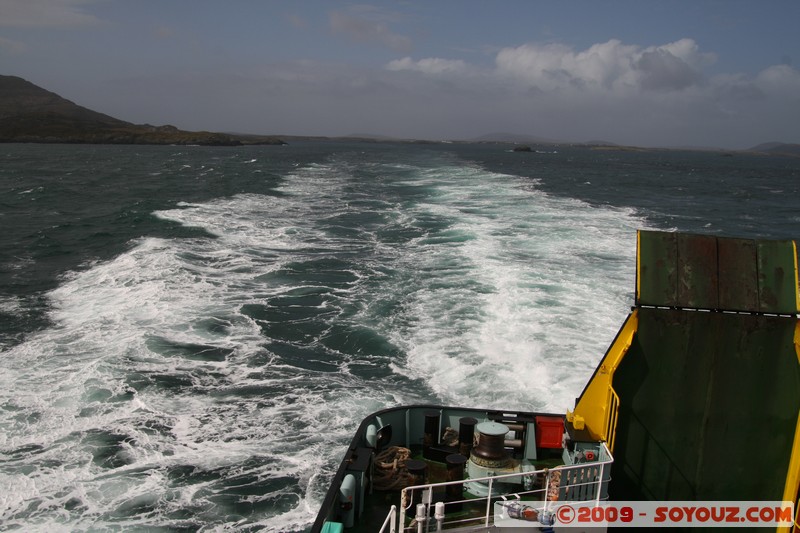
(598, 406)
(711, 387)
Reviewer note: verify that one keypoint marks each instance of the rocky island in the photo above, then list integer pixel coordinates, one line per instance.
(30, 114)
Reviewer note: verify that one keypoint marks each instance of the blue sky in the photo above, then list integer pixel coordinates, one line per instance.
(722, 73)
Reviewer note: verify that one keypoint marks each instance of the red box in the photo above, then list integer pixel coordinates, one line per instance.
(549, 430)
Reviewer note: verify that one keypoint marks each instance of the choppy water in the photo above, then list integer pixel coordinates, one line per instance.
(189, 335)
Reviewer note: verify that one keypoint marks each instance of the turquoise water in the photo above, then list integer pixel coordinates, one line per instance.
(189, 335)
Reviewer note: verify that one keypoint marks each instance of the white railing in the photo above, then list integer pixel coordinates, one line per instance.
(583, 482)
(390, 521)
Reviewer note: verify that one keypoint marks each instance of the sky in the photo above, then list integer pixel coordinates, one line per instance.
(706, 73)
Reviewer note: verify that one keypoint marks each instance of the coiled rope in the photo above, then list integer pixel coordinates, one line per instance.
(390, 469)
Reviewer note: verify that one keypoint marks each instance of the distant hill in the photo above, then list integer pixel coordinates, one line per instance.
(29, 113)
(514, 138)
(777, 148)
(600, 143)
(370, 137)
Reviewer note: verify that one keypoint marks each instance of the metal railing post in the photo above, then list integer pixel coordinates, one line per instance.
(390, 520)
(489, 501)
(599, 485)
(439, 516)
(546, 490)
(422, 517)
(403, 506)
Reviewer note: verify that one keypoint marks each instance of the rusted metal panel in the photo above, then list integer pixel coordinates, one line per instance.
(697, 271)
(657, 266)
(706, 399)
(705, 272)
(738, 275)
(777, 281)
(756, 364)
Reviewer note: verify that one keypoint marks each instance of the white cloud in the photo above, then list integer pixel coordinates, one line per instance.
(431, 65)
(45, 13)
(611, 66)
(361, 29)
(657, 95)
(557, 66)
(646, 96)
(688, 51)
(12, 47)
(296, 21)
(779, 79)
(163, 31)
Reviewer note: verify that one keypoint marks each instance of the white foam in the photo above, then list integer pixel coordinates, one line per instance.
(506, 304)
(550, 279)
(94, 376)
(11, 304)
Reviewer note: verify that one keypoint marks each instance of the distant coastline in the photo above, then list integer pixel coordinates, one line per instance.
(31, 114)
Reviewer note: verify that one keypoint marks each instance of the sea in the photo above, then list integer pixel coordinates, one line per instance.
(190, 335)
